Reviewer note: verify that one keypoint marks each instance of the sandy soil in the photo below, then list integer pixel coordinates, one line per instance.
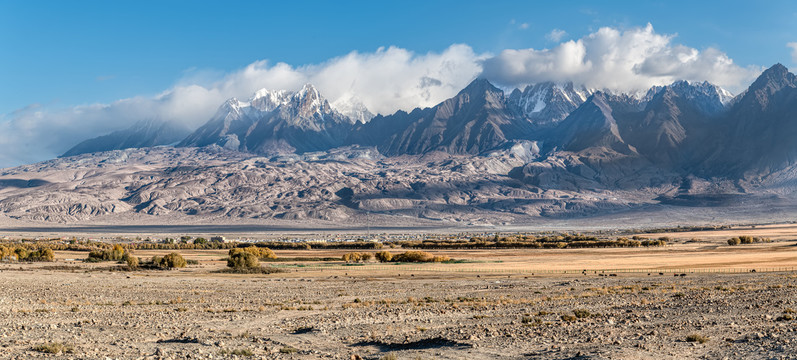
(489, 307)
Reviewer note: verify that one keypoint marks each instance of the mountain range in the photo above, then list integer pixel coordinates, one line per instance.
(551, 149)
(683, 127)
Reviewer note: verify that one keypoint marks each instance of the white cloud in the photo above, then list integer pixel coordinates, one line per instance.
(386, 80)
(793, 46)
(630, 60)
(523, 26)
(556, 35)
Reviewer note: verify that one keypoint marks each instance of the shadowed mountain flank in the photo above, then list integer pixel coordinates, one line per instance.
(549, 151)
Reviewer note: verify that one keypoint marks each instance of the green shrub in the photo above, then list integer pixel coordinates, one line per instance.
(734, 241)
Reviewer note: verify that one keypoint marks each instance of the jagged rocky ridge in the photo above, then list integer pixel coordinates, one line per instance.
(481, 156)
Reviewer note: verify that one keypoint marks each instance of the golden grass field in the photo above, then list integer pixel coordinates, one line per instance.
(687, 251)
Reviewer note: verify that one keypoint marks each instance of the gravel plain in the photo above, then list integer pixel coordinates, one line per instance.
(198, 314)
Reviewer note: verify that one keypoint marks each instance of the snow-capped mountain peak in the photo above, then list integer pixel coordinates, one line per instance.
(309, 103)
(352, 107)
(548, 102)
(694, 90)
(268, 100)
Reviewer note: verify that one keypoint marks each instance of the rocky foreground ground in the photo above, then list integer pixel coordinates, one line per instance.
(303, 315)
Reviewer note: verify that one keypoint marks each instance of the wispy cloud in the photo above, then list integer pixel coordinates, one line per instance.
(384, 80)
(556, 35)
(793, 46)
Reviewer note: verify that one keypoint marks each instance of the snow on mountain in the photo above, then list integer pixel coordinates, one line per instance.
(710, 98)
(548, 102)
(275, 122)
(353, 108)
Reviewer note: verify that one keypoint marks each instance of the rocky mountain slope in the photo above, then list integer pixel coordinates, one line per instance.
(145, 133)
(474, 121)
(551, 150)
(275, 123)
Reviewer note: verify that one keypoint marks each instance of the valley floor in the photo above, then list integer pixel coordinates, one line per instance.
(494, 305)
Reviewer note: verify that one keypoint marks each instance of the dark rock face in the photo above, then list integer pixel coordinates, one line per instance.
(756, 137)
(474, 121)
(680, 130)
(145, 133)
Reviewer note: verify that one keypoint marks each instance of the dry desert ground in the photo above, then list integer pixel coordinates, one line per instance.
(691, 299)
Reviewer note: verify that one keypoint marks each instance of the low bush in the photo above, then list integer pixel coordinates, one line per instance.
(42, 253)
(170, 261)
(696, 338)
(238, 352)
(260, 253)
(384, 256)
(745, 239)
(356, 257)
(568, 317)
(117, 253)
(243, 260)
(582, 313)
(54, 348)
(419, 256)
(132, 262)
(289, 350)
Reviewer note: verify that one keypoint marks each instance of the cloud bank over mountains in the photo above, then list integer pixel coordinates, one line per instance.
(624, 61)
(384, 81)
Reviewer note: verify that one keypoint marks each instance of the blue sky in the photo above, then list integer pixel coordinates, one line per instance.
(79, 52)
(71, 70)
